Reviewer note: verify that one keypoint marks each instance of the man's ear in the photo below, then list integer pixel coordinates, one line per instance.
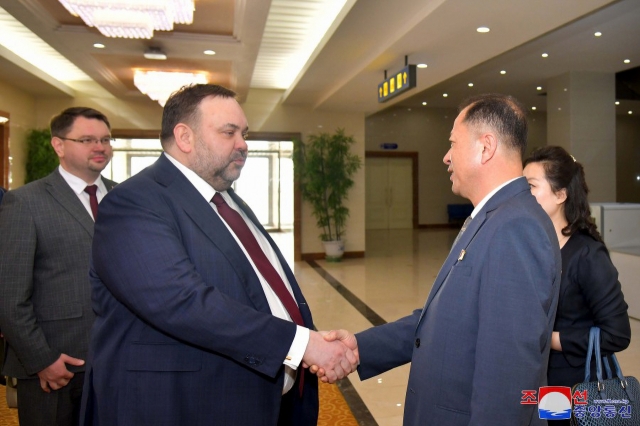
(58, 146)
(489, 144)
(184, 137)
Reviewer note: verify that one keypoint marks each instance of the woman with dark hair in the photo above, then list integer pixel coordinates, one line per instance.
(590, 293)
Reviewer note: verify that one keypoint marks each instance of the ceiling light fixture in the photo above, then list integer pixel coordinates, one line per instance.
(159, 85)
(539, 88)
(155, 53)
(597, 34)
(444, 95)
(131, 18)
(627, 61)
(503, 72)
(545, 55)
(470, 84)
(483, 29)
(617, 102)
(424, 103)
(421, 65)
(3, 119)
(98, 45)
(209, 52)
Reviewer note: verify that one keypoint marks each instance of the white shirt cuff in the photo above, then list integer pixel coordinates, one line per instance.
(298, 346)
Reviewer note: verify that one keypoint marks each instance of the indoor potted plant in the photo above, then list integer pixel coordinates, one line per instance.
(324, 166)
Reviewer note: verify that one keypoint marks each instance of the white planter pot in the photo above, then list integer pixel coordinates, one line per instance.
(333, 250)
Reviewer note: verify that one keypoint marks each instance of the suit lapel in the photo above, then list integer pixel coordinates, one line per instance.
(64, 195)
(202, 214)
(473, 228)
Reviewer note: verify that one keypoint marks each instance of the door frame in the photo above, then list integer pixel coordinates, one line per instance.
(414, 173)
(4, 151)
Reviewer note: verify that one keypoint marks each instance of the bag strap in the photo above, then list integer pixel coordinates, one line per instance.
(594, 341)
(596, 347)
(587, 367)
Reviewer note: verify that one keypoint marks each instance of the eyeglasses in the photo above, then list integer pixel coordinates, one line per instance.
(91, 141)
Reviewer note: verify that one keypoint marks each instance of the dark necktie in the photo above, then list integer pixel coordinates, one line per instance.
(93, 199)
(244, 234)
(242, 231)
(464, 227)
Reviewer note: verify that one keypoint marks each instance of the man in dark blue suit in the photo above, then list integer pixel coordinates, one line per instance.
(484, 333)
(199, 320)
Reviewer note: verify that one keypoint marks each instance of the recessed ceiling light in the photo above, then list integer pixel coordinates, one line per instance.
(617, 102)
(630, 112)
(422, 65)
(539, 88)
(444, 95)
(209, 52)
(545, 55)
(424, 103)
(98, 45)
(483, 29)
(503, 72)
(470, 84)
(534, 108)
(597, 34)
(626, 61)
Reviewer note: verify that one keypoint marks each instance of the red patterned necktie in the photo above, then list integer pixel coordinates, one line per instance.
(93, 199)
(244, 234)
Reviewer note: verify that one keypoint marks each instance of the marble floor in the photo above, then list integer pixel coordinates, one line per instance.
(392, 280)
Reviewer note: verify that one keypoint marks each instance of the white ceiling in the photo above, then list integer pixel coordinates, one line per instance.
(372, 36)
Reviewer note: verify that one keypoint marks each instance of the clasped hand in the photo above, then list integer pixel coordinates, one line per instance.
(331, 355)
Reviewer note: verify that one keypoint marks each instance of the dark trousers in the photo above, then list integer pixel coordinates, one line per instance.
(58, 408)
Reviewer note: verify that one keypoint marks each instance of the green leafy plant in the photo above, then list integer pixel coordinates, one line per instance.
(41, 158)
(324, 166)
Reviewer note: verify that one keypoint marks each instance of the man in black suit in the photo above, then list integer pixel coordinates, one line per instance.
(45, 295)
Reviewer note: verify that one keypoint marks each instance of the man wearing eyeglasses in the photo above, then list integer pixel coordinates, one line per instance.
(46, 230)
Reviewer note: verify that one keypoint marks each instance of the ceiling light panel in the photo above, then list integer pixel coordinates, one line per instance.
(22, 42)
(292, 33)
(159, 85)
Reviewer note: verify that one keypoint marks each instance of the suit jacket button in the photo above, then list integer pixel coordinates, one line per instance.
(417, 343)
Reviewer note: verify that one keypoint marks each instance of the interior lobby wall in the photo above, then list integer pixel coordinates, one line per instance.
(22, 108)
(427, 131)
(286, 118)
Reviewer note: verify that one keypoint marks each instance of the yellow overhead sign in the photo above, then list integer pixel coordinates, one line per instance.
(399, 82)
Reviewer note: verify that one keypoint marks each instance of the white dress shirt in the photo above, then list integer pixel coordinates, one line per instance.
(78, 185)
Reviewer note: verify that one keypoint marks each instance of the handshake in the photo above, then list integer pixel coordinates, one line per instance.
(331, 355)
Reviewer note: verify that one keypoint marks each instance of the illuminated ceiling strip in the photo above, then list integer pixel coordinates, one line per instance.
(25, 44)
(292, 33)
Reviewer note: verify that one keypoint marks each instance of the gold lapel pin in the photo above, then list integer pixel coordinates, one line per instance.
(462, 253)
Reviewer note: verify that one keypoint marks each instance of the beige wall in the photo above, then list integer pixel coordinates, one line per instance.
(426, 131)
(22, 108)
(285, 118)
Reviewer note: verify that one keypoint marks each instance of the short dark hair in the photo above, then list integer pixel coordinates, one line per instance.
(182, 106)
(503, 113)
(562, 171)
(61, 124)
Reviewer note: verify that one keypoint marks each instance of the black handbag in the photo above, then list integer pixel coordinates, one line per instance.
(614, 401)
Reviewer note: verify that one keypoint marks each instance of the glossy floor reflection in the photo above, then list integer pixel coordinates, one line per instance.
(393, 279)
